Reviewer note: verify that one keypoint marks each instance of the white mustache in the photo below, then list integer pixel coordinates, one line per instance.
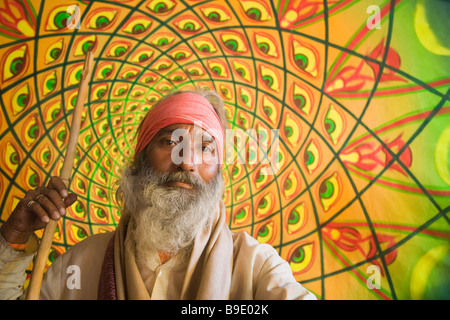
(184, 177)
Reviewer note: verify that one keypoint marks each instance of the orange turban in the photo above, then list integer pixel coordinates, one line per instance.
(185, 107)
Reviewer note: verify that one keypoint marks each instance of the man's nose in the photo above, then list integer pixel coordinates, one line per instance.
(188, 157)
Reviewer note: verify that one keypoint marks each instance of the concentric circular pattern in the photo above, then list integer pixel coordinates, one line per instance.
(350, 99)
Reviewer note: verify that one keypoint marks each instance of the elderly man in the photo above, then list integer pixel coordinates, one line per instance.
(172, 241)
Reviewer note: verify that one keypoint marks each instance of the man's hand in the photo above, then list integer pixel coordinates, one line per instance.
(35, 210)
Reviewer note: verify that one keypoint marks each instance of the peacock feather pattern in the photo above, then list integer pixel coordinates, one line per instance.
(357, 91)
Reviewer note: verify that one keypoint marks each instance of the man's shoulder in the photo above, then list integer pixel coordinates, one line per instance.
(94, 245)
(244, 244)
(242, 237)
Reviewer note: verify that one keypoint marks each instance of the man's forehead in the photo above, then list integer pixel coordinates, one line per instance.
(192, 129)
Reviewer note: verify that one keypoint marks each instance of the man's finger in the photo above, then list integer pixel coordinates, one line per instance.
(49, 207)
(36, 208)
(58, 184)
(56, 199)
(70, 200)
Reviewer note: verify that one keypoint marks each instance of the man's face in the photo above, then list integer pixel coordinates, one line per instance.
(184, 147)
(170, 201)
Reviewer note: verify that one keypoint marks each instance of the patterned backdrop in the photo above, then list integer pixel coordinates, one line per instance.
(355, 197)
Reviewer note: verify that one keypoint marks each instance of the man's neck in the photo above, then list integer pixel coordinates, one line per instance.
(165, 256)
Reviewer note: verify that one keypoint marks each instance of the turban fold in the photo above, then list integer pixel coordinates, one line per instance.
(185, 107)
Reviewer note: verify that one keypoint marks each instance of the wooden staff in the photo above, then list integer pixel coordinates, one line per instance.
(66, 172)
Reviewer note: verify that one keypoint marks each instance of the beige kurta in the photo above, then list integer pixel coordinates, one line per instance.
(255, 271)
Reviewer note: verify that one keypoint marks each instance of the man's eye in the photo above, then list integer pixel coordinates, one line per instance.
(169, 142)
(207, 149)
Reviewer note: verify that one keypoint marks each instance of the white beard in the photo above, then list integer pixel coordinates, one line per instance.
(166, 218)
